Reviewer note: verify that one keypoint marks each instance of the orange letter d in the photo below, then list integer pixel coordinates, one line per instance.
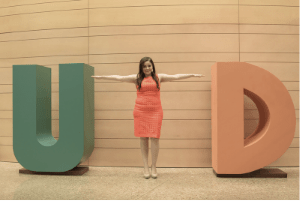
(231, 153)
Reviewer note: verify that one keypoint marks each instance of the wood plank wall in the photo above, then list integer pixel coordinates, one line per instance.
(182, 36)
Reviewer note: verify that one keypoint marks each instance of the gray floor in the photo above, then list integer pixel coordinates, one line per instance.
(122, 183)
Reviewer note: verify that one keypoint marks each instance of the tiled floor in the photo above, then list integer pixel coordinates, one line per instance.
(122, 183)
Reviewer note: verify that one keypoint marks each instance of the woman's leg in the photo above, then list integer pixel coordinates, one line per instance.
(144, 148)
(154, 152)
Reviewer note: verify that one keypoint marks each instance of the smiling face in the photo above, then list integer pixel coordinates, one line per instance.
(147, 68)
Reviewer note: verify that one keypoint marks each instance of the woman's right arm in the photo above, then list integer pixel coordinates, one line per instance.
(107, 77)
(128, 78)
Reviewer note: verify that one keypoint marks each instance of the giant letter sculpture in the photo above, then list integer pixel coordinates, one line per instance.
(33, 144)
(231, 153)
(37, 150)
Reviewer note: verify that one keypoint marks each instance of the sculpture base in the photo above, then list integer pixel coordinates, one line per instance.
(75, 171)
(260, 173)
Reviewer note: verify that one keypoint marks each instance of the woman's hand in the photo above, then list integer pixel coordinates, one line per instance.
(198, 75)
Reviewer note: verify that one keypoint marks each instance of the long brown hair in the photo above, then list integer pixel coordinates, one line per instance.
(141, 74)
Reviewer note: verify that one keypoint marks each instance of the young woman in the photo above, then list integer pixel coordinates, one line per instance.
(148, 113)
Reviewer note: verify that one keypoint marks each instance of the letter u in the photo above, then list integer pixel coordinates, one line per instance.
(34, 146)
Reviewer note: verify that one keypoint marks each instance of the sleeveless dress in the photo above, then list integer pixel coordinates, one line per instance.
(148, 113)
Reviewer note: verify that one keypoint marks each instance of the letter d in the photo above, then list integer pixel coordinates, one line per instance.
(231, 153)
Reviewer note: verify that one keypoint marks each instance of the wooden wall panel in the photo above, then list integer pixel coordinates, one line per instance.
(173, 158)
(171, 129)
(26, 2)
(44, 47)
(126, 100)
(44, 7)
(283, 71)
(269, 43)
(270, 2)
(47, 61)
(130, 143)
(181, 14)
(181, 36)
(164, 43)
(121, 3)
(196, 128)
(284, 57)
(164, 29)
(268, 29)
(268, 15)
(45, 20)
(168, 114)
(162, 57)
(44, 34)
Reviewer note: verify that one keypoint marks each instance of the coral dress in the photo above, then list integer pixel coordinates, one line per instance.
(148, 113)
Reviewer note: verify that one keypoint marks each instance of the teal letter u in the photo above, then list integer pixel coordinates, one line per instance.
(34, 146)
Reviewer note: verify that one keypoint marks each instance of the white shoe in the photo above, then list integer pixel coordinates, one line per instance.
(154, 176)
(146, 175)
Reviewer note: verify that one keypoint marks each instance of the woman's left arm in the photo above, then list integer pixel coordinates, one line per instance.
(167, 78)
(183, 76)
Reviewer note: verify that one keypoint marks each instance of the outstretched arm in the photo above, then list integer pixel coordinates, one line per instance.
(107, 77)
(183, 76)
(167, 78)
(127, 78)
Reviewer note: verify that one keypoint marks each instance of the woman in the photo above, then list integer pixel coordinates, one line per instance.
(148, 113)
